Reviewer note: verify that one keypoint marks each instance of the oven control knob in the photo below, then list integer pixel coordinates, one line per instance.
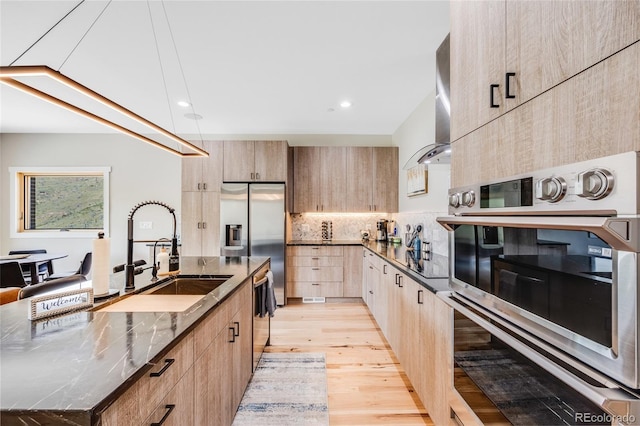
(455, 199)
(551, 189)
(594, 184)
(468, 198)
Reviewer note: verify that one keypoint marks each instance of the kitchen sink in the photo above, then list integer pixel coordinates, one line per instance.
(188, 285)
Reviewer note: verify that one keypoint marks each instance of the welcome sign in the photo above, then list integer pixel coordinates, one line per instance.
(60, 303)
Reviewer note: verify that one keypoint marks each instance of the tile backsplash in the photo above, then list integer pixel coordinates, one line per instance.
(347, 226)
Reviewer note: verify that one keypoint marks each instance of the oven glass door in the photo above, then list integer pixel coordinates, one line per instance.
(556, 275)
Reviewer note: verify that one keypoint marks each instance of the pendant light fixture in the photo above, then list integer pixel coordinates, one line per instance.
(15, 76)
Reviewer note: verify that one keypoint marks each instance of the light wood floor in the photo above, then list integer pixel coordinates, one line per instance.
(366, 383)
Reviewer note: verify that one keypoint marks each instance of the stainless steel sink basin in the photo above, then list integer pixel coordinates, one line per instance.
(188, 286)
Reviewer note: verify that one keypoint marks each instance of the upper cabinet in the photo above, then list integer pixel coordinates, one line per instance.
(203, 173)
(504, 53)
(255, 161)
(372, 179)
(319, 179)
(345, 179)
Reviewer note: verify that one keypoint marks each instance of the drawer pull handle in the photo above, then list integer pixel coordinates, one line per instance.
(315, 258)
(169, 408)
(315, 248)
(236, 331)
(492, 92)
(315, 269)
(233, 334)
(315, 284)
(168, 363)
(204, 186)
(400, 280)
(420, 299)
(508, 79)
(384, 269)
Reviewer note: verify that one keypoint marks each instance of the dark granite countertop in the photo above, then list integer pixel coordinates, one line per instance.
(77, 364)
(432, 272)
(324, 243)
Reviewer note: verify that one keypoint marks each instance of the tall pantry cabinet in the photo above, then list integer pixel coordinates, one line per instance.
(538, 73)
(200, 221)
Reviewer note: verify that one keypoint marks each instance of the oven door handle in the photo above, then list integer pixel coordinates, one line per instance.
(614, 400)
(619, 233)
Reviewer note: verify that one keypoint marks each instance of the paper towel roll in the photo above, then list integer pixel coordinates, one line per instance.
(100, 266)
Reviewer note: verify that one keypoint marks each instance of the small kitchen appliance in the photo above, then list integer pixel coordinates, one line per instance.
(381, 234)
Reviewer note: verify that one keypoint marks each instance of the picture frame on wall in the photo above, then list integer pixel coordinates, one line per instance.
(417, 180)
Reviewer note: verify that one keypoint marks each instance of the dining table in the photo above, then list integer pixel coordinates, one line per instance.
(32, 261)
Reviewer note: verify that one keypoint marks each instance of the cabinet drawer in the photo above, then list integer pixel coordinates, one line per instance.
(316, 274)
(176, 408)
(315, 261)
(144, 396)
(209, 328)
(163, 376)
(315, 251)
(315, 289)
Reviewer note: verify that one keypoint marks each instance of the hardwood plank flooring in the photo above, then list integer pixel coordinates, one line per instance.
(365, 381)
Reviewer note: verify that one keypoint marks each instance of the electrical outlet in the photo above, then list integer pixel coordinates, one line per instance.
(146, 225)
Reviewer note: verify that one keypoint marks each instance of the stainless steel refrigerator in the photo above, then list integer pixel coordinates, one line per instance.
(252, 223)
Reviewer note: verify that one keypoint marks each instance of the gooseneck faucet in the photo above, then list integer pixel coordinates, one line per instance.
(130, 267)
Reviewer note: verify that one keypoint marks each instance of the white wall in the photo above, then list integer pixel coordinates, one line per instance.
(417, 131)
(138, 172)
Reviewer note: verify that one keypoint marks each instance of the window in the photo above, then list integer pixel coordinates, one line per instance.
(60, 202)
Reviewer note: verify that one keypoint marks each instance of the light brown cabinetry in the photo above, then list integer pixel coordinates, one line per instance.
(200, 218)
(223, 360)
(345, 179)
(352, 268)
(319, 179)
(490, 39)
(594, 114)
(315, 271)
(261, 161)
(158, 388)
(372, 179)
(418, 326)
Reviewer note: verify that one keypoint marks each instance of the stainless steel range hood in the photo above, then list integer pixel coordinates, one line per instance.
(438, 152)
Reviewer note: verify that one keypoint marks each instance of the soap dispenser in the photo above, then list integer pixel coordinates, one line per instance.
(163, 262)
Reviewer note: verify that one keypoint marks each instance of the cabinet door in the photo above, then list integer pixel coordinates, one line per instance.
(549, 41)
(359, 187)
(214, 382)
(210, 228)
(352, 268)
(271, 161)
(191, 224)
(333, 178)
(477, 45)
(385, 179)
(306, 179)
(192, 173)
(212, 167)
(239, 161)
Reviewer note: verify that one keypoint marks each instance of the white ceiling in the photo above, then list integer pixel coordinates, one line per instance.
(261, 67)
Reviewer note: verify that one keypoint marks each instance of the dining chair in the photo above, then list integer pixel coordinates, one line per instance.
(11, 275)
(44, 269)
(84, 269)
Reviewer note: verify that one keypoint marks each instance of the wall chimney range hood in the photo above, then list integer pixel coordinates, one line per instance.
(440, 151)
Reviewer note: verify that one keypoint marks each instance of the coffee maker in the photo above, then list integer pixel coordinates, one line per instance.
(381, 235)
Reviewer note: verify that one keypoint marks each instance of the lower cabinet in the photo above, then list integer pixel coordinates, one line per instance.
(201, 380)
(418, 326)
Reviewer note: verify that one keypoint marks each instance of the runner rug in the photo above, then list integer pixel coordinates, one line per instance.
(286, 389)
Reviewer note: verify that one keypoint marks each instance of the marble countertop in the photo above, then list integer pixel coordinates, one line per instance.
(79, 363)
(432, 271)
(324, 243)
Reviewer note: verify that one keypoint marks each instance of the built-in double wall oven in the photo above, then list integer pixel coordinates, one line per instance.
(544, 267)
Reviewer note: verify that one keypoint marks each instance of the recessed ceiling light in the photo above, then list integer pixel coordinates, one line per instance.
(193, 116)
(345, 104)
(183, 104)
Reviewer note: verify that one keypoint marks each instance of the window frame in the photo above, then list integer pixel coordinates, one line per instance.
(17, 188)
